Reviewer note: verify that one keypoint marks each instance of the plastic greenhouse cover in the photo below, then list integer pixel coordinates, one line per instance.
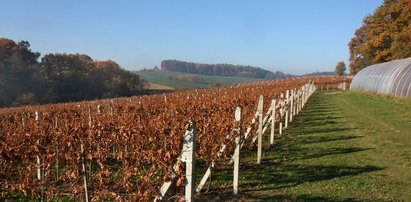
(392, 78)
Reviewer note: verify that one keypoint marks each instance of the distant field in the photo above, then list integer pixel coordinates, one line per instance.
(154, 86)
(160, 77)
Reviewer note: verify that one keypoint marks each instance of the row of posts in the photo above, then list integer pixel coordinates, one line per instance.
(342, 86)
(40, 160)
(289, 105)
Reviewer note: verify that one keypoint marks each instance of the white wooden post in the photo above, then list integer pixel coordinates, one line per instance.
(38, 157)
(291, 105)
(99, 109)
(304, 95)
(299, 99)
(237, 152)
(302, 98)
(208, 172)
(287, 97)
(205, 177)
(188, 156)
(260, 129)
(90, 124)
(83, 166)
(39, 162)
(166, 185)
(57, 149)
(295, 101)
(280, 129)
(273, 106)
(22, 119)
(111, 108)
(100, 112)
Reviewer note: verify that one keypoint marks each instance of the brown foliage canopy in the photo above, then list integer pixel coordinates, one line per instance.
(130, 144)
(384, 36)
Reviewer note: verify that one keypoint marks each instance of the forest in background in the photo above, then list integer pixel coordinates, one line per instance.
(221, 70)
(27, 79)
(384, 36)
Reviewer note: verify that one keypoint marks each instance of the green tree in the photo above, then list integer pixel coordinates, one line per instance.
(340, 68)
(59, 77)
(67, 76)
(20, 75)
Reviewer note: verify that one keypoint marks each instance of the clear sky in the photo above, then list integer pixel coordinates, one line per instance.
(296, 37)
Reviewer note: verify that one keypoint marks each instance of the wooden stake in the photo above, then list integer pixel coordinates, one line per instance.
(260, 129)
(99, 110)
(83, 165)
(237, 152)
(287, 97)
(295, 101)
(188, 156)
(291, 105)
(39, 162)
(90, 124)
(281, 128)
(57, 149)
(205, 177)
(273, 119)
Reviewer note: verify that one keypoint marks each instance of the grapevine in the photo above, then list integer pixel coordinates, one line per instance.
(130, 144)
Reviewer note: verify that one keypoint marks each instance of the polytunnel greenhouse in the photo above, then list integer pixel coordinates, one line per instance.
(392, 78)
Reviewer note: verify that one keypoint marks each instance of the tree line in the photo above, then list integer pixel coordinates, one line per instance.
(27, 79)
(384, 36)
(220, 69)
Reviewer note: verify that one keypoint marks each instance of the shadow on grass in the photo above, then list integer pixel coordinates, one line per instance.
(270, 181)
(227, 195)
(316, 130)
(303, 197)
(296, 153)
(283, 164)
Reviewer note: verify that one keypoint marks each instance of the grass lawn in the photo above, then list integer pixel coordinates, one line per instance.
(343, 146)
(160, 77)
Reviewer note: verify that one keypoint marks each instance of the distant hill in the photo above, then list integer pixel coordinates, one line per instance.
(182, 80)
(221, 70)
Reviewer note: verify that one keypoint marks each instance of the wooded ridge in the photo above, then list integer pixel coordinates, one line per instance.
(221, 69)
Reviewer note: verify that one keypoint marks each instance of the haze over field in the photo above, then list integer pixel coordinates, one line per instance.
(295, 37)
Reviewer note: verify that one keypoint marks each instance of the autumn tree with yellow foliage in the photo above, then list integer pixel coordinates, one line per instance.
(384, 36)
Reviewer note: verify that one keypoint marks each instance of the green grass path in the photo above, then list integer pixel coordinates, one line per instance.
(344, 146)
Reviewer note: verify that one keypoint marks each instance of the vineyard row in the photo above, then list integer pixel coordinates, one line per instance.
(128, 148)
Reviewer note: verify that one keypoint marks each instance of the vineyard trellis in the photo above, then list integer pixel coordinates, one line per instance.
(128, 148)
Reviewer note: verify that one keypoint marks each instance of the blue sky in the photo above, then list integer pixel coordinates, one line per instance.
(295, 37)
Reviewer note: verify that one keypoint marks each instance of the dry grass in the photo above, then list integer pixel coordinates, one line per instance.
(155, 86)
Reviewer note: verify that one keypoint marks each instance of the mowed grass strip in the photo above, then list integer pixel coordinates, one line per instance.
(345, 146)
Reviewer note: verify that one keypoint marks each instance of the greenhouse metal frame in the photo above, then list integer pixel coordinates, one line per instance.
(392, 78)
